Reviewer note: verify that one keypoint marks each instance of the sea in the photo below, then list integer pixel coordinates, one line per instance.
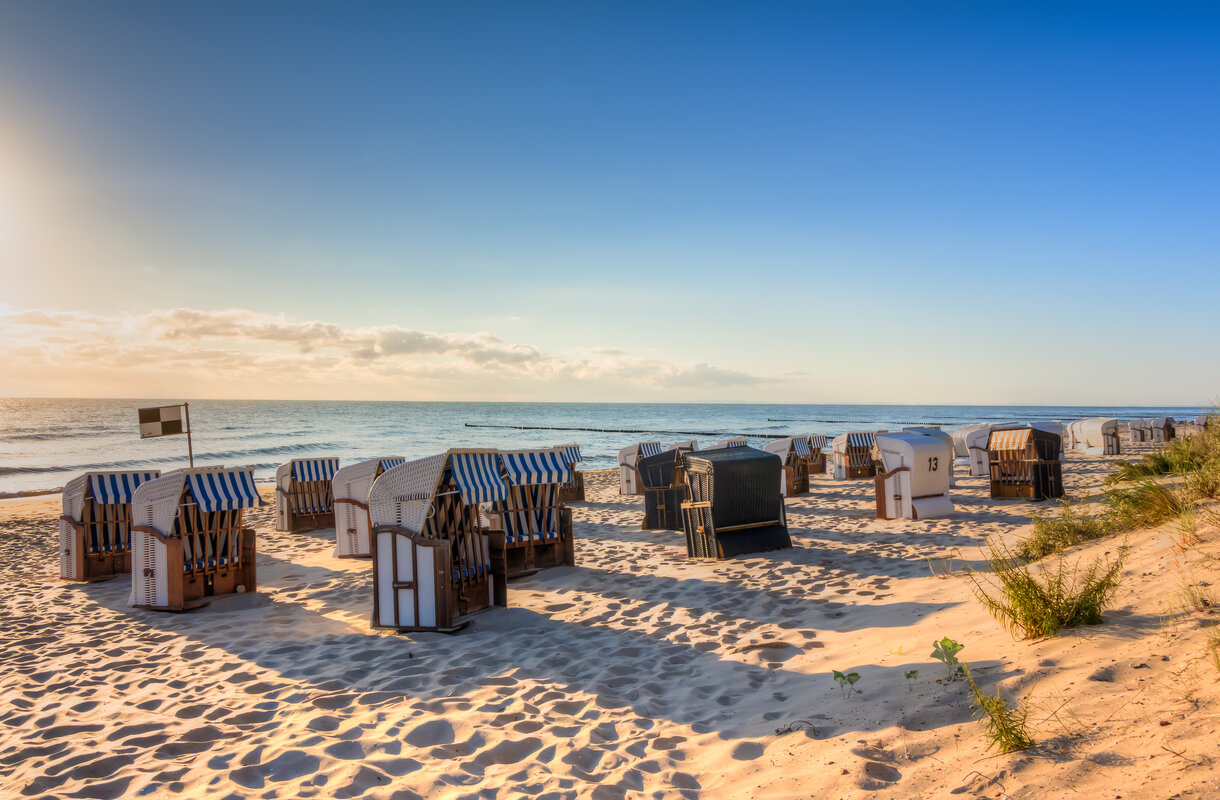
(46, 442)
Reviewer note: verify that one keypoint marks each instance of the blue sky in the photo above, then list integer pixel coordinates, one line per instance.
(903, 202)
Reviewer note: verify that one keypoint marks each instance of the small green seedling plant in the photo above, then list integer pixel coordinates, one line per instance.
(946, 650)
(847, 682)
(1005, 727)
(911, 675)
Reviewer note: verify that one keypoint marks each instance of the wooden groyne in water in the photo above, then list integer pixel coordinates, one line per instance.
(720, 434)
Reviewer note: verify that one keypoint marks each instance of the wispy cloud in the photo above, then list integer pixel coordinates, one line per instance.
(250, 346)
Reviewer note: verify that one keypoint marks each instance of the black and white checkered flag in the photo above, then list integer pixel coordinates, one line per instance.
(161, 421)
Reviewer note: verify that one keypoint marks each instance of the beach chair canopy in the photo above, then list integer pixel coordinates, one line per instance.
(570, 452)
(211, 488)
(629, 455)
(117, 487)
(816, 441)
(797, 445)
(403, 495)
(534, 467)
(314, 469)
(687, 446)
(224, 489)
(353, 481)
(738, 441)
(854, 441)
(935, 433)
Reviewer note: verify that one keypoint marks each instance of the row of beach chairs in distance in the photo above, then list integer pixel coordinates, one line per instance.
(913, 469)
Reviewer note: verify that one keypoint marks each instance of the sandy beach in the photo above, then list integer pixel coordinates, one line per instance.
(636, 674)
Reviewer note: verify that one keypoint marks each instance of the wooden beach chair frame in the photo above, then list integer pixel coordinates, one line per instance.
(190, 545)
(95, 526)
(304, 496)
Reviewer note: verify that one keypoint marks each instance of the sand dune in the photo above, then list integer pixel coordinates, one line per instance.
(636, 674)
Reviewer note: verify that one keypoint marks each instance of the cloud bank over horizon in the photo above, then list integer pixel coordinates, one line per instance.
(244, 353)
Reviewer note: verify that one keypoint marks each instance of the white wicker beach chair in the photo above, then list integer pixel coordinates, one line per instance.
(350, 488)
(915, 484)
(793, 451)
(94, 529)
(303, 494)
(188, 543)
(852, 456)
(431, 556)
(628, 475)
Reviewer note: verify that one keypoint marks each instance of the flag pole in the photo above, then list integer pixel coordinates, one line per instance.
(190, 449)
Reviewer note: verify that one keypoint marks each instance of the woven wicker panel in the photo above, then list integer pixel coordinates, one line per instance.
(402, 495)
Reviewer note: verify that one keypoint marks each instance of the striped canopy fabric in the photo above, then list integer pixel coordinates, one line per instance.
(117, 487)
(533, 467)
(478, 477)
(816, 441)
(224, 489)
(314, 469)
(801, 445)
(649, 449)
(860, 440)
(570, 452)
(390, 463)
(735, 443)
(1009, 440)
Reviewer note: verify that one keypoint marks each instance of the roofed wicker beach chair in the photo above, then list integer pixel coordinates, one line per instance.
(350, 488)
(852, 456)
(915, 484)
(303, 494)
(1024, 462)
(628, 475)
(1098, 436)
(970, 448)
(815, 462)
(733, 504)
(530, 529)
(686, 446)
(94, 529)
(431, 555)
(945, 437)
(793, 451)
(661, 477)
(572, 491)
(1162, 429)
(188, 541)
(1140, 430)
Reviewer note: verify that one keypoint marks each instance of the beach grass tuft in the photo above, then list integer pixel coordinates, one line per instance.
(1036, 601)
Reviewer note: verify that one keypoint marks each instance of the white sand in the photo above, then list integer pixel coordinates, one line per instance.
(636, 674)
